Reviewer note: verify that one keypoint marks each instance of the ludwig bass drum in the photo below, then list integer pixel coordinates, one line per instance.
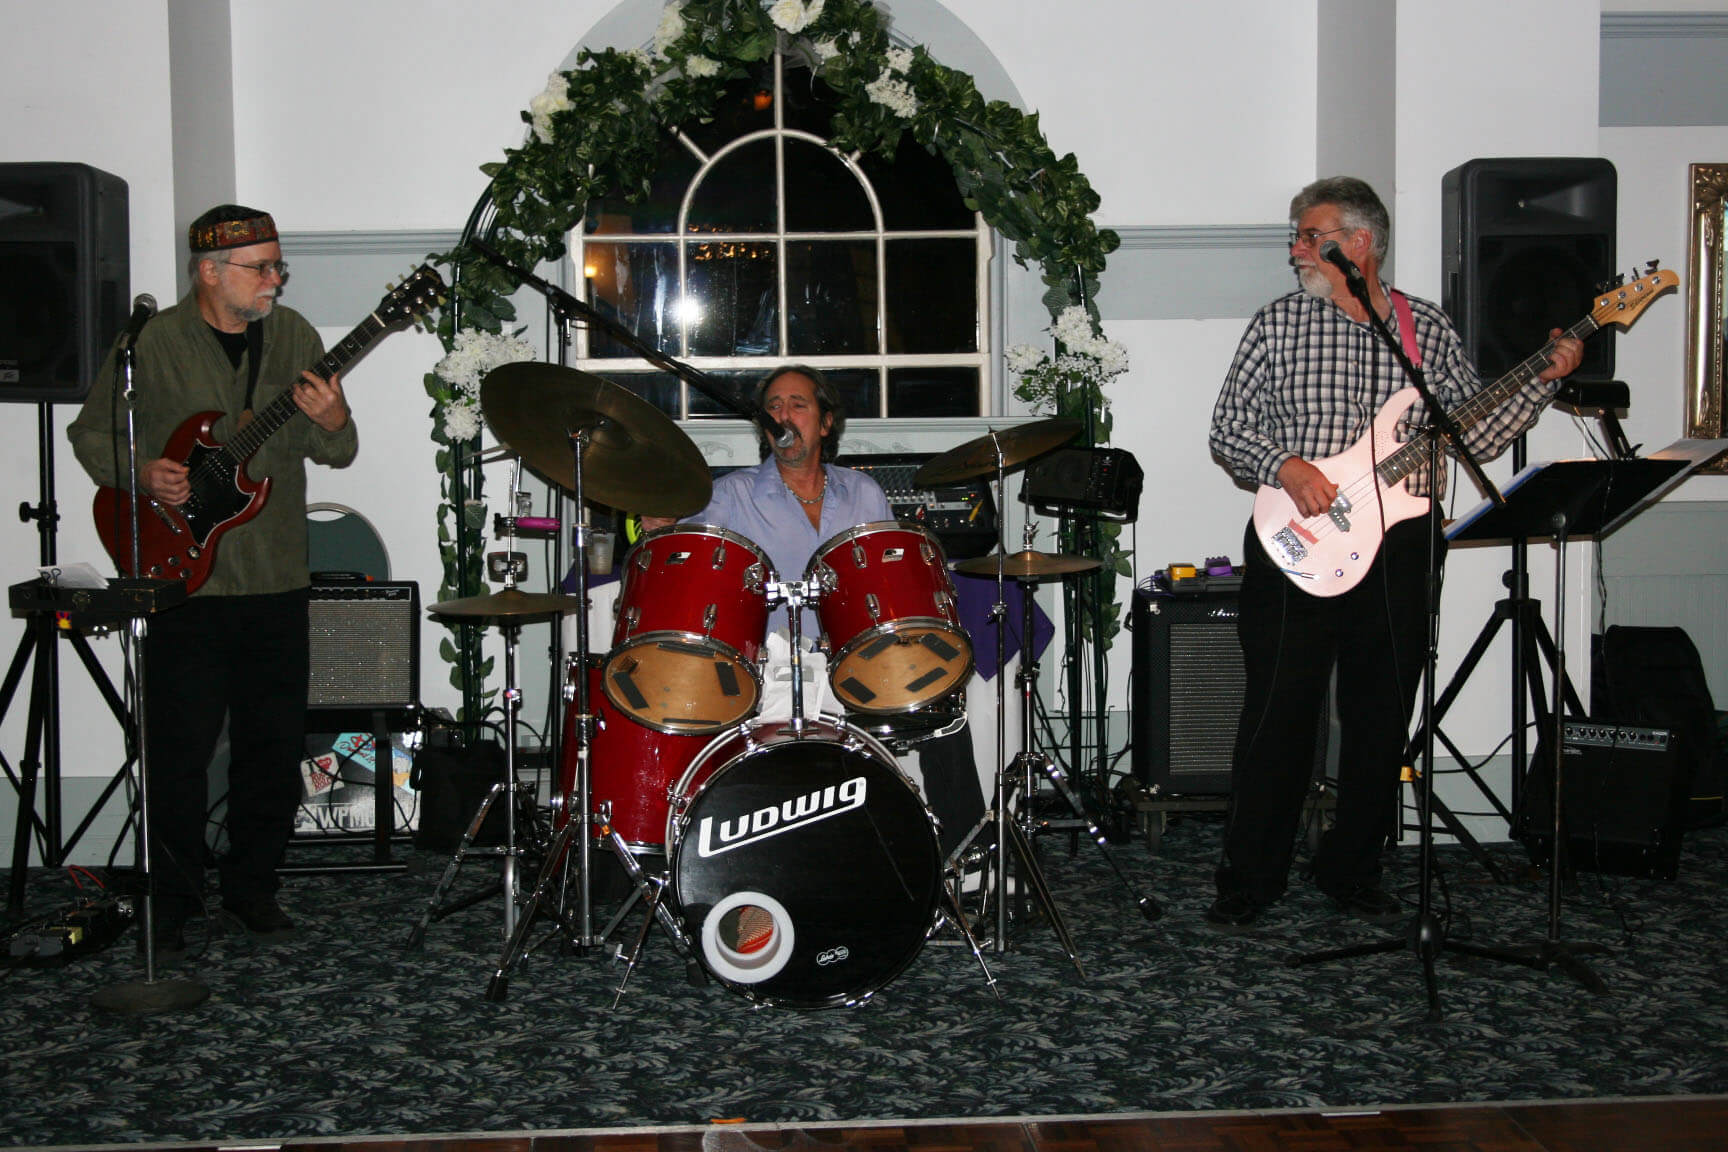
(806, 868)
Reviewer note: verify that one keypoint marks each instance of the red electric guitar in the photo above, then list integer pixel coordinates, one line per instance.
(1327, 555)
(180, 543)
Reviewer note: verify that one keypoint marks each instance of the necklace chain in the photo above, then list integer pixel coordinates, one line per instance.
(816, 499)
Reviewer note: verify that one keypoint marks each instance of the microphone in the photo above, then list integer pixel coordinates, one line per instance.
(143, 308)
(1334, 255)
(781, 434)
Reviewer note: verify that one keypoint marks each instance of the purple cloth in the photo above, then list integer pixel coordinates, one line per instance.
(975, 596)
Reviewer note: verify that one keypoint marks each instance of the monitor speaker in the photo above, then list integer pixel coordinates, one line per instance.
(1188, 689)
(1527, 242)
(1103, 480)
(1623, 797)
(64, 277)
(365, 645)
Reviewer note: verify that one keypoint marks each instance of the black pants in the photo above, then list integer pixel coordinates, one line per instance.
(1376, 636)
(950, 771)
(243, 659)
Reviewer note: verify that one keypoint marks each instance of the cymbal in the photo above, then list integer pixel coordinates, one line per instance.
(637, 458)
(507, 604)
(1027, 565)
(1016, 445)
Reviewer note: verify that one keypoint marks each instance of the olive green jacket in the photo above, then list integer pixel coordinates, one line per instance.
(181, 370)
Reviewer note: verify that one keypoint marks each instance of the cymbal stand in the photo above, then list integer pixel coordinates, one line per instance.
(580, 817)
(1030, 758)
(1009, 832)
(508, 788)
(512, 566)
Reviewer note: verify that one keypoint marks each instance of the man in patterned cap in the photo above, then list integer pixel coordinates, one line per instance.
(236, 652)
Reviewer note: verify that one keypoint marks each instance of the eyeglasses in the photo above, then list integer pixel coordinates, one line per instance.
(1312, 236)
(264, 267)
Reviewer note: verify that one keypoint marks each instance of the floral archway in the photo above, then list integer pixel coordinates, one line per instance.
(595, 129)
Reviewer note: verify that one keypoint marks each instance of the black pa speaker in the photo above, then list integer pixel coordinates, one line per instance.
(1622, 800)
(365, 645)
(1103, 480)
(1188, 689)
(1527, 243)
(64, 277)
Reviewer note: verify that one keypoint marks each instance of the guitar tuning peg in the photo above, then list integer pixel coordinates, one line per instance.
(1651, 267)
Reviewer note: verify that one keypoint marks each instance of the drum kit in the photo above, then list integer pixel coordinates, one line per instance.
(788, 858)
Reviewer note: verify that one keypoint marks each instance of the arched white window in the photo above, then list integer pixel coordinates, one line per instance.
(759, 245)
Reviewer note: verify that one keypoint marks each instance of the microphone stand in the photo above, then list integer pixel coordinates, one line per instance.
(566, 306)
(1426, 935)
(150, 994)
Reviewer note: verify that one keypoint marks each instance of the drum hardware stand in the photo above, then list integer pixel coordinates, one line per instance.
(578, 823)
(512, 791)
(1009, 831)
(651, 889)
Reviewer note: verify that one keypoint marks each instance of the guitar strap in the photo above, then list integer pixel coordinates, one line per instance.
(1406, 325)
(254, 359)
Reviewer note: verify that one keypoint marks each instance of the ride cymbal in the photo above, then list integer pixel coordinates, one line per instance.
(507, 604)
(636, 459)
(1027, 565)
(1016, 446)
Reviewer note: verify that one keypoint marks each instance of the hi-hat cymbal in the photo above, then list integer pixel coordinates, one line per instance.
(1027, 565)
(637, 458)
(507, 604)
(1015, 446)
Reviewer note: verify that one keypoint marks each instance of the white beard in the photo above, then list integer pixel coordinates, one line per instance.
(1314, 282)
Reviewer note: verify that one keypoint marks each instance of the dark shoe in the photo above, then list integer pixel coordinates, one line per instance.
(169, 938)
(1233, 913)
(1375, 905)
(259, 917)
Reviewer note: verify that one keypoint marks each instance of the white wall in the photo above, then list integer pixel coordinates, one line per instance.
(375, 117)
(84, 82)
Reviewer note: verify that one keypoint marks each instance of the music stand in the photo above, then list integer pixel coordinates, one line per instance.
(1561, 501)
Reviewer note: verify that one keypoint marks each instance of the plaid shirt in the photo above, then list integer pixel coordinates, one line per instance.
(1307, 381)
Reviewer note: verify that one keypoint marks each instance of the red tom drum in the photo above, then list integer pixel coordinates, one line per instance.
(889, 618)
(692, 618)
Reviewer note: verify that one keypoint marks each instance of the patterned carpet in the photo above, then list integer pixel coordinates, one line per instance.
(346, 1032)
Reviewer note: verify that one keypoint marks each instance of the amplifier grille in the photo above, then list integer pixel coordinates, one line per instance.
(1188, 689)
(365, 643)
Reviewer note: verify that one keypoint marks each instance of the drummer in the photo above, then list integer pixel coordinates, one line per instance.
(791, 503)
(796, 498)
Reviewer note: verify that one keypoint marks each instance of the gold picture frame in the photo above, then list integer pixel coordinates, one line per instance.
(1706, 326)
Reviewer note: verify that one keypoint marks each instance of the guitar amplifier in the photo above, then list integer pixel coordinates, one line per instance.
(1623, 799)
(365, 640)
(1187, 693)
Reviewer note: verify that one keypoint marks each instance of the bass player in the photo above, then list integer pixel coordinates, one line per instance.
(1308, 378)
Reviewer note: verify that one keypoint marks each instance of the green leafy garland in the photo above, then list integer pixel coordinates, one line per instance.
(595, 131)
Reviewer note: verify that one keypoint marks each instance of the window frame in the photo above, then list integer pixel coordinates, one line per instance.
(881, 362)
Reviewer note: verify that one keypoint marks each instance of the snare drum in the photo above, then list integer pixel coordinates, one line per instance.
(889, 619)
(807, 869)
(692, 618)
(630, 767)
